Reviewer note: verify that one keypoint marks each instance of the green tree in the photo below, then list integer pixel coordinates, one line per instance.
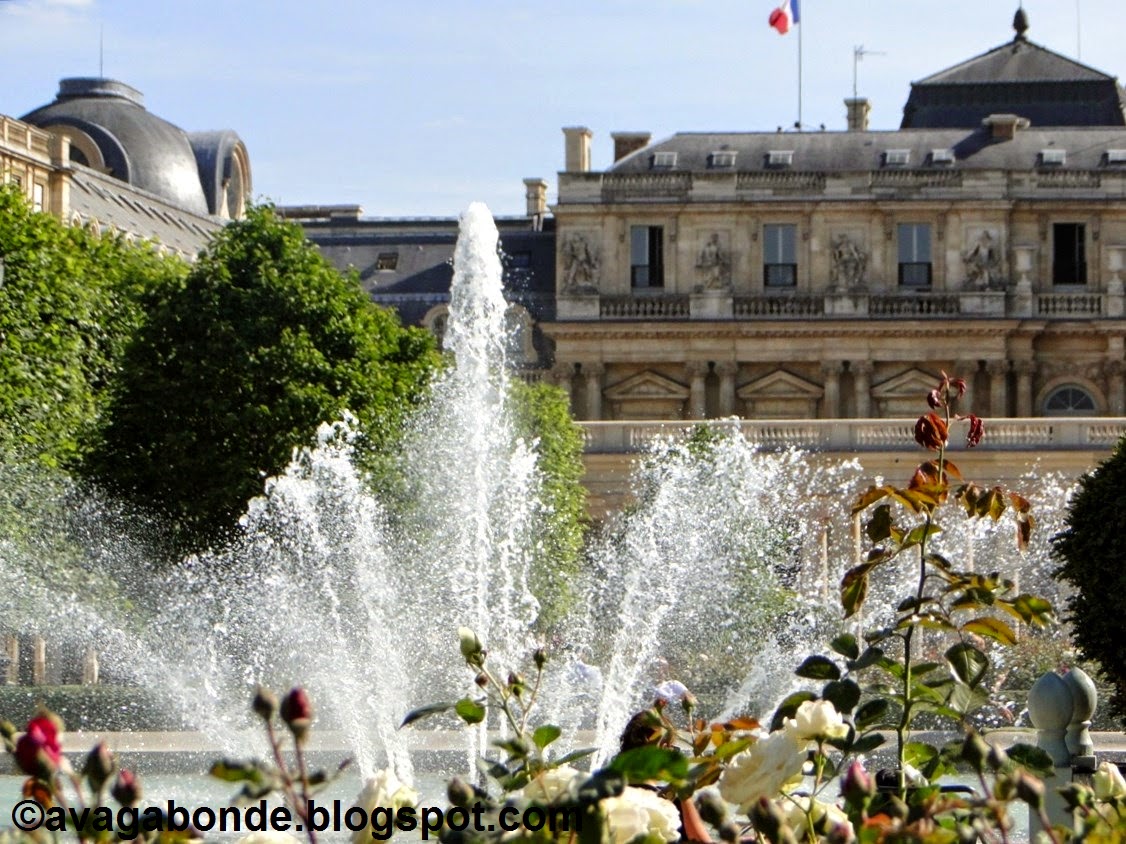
(1092, 549)
(67, 307)
(237, 364)
(542, 412)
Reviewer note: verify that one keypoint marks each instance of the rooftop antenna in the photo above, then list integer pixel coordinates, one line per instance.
(858, 52)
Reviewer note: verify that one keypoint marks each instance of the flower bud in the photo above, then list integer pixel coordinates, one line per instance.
(99, 767)
(1030, 790)
(516, 683)
(265, 703)
(297, 712)
(460, 793)
(857, 786)
(539, 656)
(7, 730)
(481, 680)
(38, 751)
(712, 808)
(126, 790)
(768, 821)
(974, 751)
(471, 648)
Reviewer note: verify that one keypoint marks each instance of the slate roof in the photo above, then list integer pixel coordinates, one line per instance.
(1019, 77)
(828, 152)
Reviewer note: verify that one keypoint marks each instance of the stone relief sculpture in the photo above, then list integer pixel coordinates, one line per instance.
(849, 263)
(581, 264)
(982, 263)
(713, 266)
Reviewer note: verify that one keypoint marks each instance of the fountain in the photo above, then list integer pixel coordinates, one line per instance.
(723, 570)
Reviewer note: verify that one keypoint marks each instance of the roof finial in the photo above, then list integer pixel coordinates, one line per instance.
(1020, 22)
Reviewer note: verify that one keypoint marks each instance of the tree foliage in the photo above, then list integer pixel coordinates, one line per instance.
(542, 412)
(67, 307)
(237, 364)
(1092, 549)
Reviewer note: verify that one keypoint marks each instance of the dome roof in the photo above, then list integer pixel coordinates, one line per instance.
(134, 145)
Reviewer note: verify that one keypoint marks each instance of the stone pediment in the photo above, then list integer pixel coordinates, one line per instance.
(914, 384)
(780, 384)
(647, 385)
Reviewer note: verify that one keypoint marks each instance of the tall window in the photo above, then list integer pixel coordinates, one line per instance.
(780, 255)
(1069, 253)
(646, 251)
(914, 255)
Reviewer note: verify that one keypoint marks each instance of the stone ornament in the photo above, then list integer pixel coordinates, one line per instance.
(982, 263)
(849, 263)
(1061, 708)
(713, 266)
(581, 264)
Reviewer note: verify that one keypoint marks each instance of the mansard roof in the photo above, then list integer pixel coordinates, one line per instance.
(826, 152)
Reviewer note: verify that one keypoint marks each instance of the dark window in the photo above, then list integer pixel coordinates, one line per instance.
(1069, 253)
(1069, 400)
(646, 256)
(780, 255)
(387, 261)
(914, 255)
(520, 260)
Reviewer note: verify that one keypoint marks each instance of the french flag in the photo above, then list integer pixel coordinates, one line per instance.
(785, 16)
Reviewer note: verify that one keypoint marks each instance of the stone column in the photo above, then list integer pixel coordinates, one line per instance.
(12, 655)
(38, 661)
(726, 370)
(999, 387)
(593, 373)
(1115, 370)
(967, 371)
(1024, 369)
(862, 374)
(563, 376)
(696, 371)
(831, 405)
(90, 667)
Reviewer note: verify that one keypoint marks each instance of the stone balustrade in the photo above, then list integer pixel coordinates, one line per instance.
(855, 435)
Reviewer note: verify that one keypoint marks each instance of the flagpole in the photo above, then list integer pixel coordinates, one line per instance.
(800, 28)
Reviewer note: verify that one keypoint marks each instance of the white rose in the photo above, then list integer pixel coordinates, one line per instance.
(817, 719)
(762, 769)
(549, 786)
(1108, 782)
(383, 790)
(800, 811)
(639, 811)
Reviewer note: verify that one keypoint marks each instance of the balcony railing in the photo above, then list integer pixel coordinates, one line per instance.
(855, 435)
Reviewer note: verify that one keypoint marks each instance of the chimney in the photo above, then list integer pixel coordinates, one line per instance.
(577, 149)
(858, 110)
(1004, 127)
(627, 142)
(535, 194)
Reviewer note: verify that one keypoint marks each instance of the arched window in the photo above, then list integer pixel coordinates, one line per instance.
(1069, 400)
(435, 321)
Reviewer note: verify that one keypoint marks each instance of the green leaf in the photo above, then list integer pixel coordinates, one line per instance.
(817, 667)
(969, 663)
(879, 526)
(1033, 758)
(868, 743)
(574, 756)
(843, 694)
(918, 754)
(870, 713)
(642, 764)
(870, 497)
(470, 711)
(788, 708)
(845, 645)
(425, 712)
(545, 735)
(992, 628)
(730, 748)
(515, 748)
(870, 657)
(229, 770)
(853, 591)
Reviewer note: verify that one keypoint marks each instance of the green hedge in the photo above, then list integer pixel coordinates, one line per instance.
(101, 708)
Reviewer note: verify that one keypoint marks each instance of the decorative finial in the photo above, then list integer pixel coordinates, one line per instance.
(1020, 23)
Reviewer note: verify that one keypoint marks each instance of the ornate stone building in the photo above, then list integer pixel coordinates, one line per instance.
(96, 157)
(834, 274)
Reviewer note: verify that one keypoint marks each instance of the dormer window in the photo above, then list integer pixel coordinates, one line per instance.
(1053, 157)
(721, 159)
(897, 157)
(780, 158)
(664, 160)
(1116, 156)
(387, 261)
(942, 156)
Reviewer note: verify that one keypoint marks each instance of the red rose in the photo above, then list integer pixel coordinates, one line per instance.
(39, 748)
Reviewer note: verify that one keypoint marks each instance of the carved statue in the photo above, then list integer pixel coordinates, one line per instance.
(849, 263)
(580, 265)
(713, 266)
(983, 263)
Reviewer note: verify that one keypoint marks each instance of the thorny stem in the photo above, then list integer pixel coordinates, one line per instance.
(287, 780)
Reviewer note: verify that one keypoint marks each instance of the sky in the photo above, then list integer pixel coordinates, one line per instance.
(420, 107)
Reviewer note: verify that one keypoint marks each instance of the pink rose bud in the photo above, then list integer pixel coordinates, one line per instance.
(38, 750)
(126, 790)
(297, 712)
(857, 784)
